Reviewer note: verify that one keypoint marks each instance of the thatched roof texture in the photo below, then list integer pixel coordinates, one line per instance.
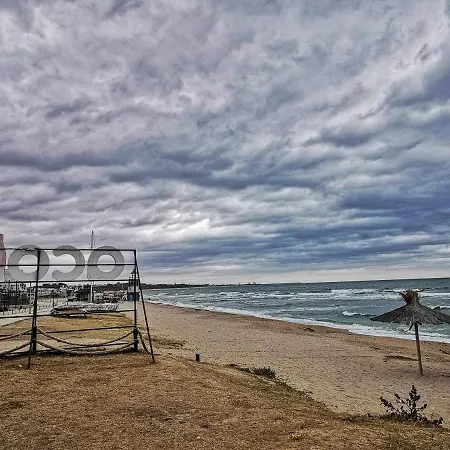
(413, 312)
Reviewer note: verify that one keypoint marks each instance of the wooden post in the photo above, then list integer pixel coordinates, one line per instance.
(419, 357)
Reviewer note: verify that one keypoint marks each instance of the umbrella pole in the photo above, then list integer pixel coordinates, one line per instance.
(419, 356)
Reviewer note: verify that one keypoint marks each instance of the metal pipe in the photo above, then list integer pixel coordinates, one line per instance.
(33, 336)
(145, 314)
(84, 249)
(135, 331)
(89, 329)
(27, 316)
(71, 265)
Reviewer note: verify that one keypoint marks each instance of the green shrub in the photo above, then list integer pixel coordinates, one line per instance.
(264, 372)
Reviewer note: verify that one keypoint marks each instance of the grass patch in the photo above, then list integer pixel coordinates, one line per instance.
(266, 372)
(125, 401)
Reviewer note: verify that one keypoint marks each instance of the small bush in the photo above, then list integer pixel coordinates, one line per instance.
(264, 372)
(408, 410)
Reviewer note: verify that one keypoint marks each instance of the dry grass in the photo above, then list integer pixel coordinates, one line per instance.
(52, 323)
(71, 327)
(126, 402)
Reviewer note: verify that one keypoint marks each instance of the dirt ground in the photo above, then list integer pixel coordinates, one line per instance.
(124, 401)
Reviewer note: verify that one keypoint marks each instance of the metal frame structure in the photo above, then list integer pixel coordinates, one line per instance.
(37, 345)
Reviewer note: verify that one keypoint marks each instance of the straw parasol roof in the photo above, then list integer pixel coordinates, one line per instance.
(414, 314)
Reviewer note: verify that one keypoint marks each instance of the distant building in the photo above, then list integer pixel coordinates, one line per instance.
(83, 294)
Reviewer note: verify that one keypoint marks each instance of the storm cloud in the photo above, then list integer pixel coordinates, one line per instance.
(231, 141)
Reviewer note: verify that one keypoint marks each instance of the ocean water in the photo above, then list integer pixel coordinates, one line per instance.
(347, 305)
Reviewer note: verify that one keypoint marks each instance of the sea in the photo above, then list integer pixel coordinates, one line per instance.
(348, 305)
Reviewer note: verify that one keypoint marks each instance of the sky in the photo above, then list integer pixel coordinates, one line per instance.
(231, 141)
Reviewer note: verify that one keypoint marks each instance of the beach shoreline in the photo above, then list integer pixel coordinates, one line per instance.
(360, 330)
(345, 305)
(347, 372)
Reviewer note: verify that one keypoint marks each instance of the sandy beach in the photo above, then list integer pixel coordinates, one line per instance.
(118, 401)
(347, 372)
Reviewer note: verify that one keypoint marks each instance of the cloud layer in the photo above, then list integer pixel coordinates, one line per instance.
(231, 140)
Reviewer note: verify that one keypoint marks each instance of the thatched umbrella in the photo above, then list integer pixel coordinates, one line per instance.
(413, 313)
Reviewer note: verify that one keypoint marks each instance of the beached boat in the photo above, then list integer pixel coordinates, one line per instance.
(81, 310)
(69, 311)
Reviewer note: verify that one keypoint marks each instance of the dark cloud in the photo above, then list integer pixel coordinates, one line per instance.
(343, 138)
(271, 140)
(69, 108)
(120, 7)
(54, 162)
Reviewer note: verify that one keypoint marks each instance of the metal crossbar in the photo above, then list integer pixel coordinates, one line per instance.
(64, 341)
(82, 353)
(12, 350)
(12, 336)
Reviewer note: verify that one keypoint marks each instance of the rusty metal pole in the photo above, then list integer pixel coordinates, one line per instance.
(135, 331)
(145, 311)
(33, 336)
